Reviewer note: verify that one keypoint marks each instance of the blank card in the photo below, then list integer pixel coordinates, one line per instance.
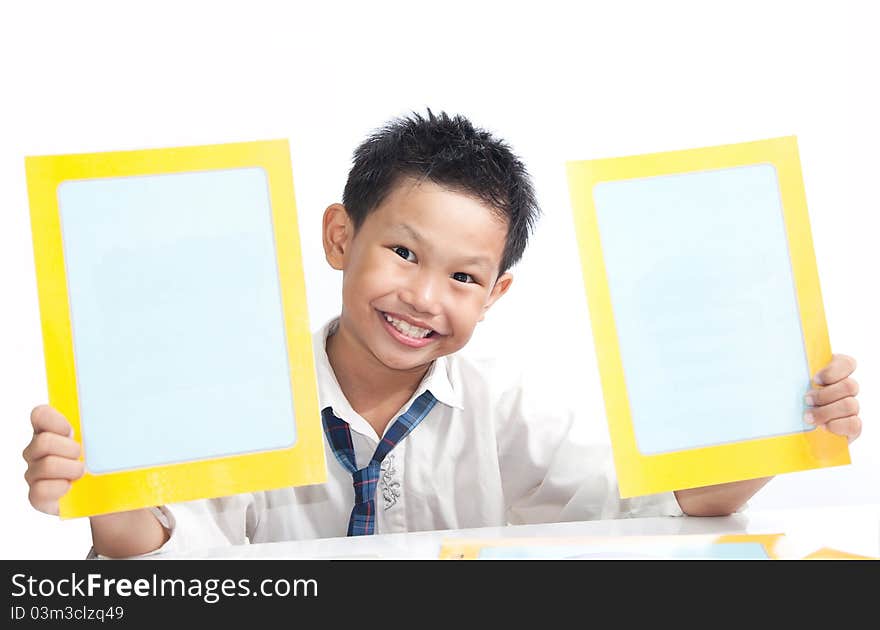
(175, 325)
(706, 313)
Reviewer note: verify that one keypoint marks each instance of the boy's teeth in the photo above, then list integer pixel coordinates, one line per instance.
(407, 329)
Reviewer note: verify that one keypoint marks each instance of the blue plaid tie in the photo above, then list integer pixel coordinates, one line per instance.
(363, 514)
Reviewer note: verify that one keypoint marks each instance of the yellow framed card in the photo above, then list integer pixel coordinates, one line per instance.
(706, 313)
(174, 321)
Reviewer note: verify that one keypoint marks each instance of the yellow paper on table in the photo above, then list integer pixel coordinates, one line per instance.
(829, 553)
(660, 547)
(706, 313)
(174, 321)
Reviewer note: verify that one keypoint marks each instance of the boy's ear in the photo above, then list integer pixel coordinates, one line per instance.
(502, 284)
(337, 231)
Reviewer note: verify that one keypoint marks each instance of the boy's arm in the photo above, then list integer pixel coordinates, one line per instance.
(833, 408)
(719, 500)
(125, 534)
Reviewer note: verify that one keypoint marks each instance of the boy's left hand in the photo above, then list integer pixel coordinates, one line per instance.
(832, 400)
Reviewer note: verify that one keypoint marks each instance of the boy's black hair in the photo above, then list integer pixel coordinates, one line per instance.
(451, 152)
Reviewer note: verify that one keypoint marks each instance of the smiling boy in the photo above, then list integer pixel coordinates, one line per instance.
(419, 437)
(419, 272)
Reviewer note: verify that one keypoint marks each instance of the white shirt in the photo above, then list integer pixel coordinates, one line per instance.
(490, 452)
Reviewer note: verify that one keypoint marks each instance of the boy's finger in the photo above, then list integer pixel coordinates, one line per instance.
(851, 427)
(48, 443)
(44, 494)
(838, 369)
(46, 418)
(832, 393)
(53, 467)
(839, 409)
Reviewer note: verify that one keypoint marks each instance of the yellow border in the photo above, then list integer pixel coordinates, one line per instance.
(469, 549)
(300, 464)
(647, 474)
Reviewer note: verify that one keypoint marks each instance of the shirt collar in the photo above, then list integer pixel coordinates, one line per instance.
(437, 380)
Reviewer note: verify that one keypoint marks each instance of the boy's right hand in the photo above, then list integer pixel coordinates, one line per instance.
(53, 464)
(52, 458)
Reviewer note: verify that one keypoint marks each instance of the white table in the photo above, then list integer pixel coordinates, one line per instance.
(852, 528)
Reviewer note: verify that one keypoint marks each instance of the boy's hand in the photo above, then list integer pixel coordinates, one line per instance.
(53, 459)
(53, 463)
(833, 404)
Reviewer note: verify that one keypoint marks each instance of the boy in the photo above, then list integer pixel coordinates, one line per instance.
(434, 214)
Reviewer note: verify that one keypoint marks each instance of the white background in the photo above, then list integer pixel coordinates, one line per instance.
(557, 80)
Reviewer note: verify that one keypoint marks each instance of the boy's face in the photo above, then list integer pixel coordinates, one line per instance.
(418, 275)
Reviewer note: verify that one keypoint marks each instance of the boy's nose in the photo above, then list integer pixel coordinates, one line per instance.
(423, 295)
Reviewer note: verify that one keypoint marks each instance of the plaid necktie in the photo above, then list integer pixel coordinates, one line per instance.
(363, 514)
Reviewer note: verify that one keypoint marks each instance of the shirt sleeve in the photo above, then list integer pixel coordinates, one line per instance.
(204, 524)
(552, 471)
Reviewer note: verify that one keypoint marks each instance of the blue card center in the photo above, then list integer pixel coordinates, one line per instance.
(705, 307)
(176, 315)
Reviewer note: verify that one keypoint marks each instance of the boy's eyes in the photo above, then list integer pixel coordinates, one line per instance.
(407, 255)
(404, 253)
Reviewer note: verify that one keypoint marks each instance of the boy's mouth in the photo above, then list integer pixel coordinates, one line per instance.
(406, 329)
(406, 333)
